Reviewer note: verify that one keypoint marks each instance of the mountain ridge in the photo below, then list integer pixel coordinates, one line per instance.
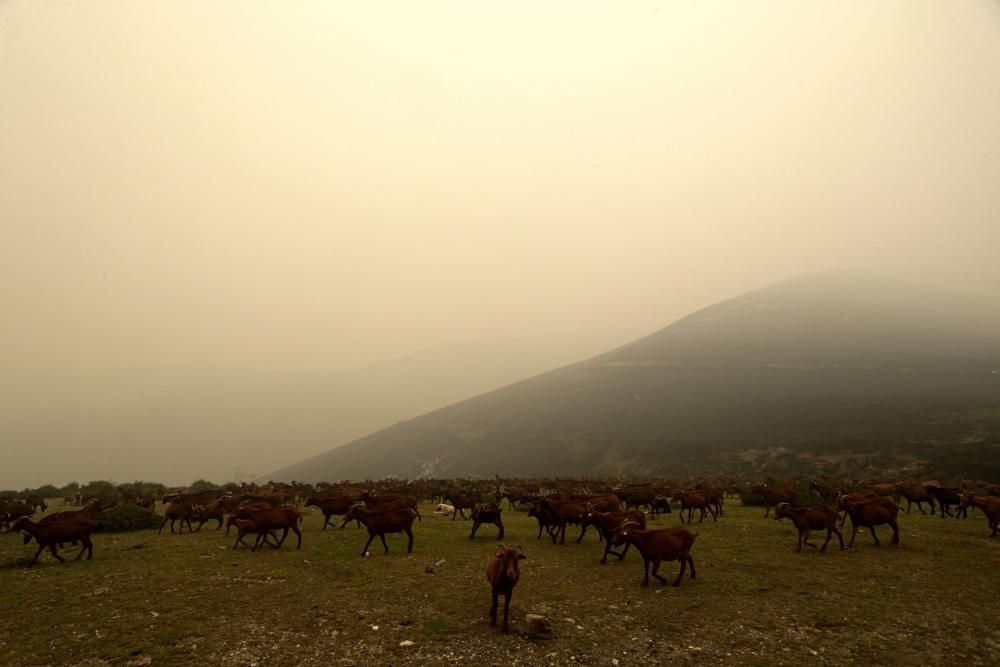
(843, 359)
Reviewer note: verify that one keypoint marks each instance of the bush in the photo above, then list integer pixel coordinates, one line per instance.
(203, 485)
(47, 491)
(127, 518)
(141, 488)
(102, 489)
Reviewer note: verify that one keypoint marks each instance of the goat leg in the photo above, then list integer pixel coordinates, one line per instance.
(371, 536)
(506, 611)
(680, 575)
(37, 554)
(656, 572)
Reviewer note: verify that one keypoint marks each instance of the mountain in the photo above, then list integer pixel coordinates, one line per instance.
(823, 363)
(176, 425)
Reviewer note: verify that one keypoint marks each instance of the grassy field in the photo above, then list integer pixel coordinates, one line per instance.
(176, 599)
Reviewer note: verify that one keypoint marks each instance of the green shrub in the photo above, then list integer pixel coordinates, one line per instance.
(101, 488)
(47, 491)
(127, 518)
(203, 485)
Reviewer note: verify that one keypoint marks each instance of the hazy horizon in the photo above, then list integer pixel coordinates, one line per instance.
(320, 187)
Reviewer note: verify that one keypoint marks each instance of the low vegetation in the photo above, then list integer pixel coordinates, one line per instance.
(127, 518)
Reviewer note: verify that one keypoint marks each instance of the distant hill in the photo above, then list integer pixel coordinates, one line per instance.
(821, 364)
(175, 426)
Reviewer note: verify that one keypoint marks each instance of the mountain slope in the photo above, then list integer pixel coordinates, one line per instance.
(820, 362)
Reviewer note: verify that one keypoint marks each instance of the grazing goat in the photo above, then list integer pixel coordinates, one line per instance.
(808, 520)
(486, 514)
(502, 573)
(379, 523)
(870, 513)
(51, 535)
(656, 546)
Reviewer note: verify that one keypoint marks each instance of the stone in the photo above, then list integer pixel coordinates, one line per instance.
(539, 627)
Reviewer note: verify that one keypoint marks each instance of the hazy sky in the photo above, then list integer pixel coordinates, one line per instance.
(317, 185)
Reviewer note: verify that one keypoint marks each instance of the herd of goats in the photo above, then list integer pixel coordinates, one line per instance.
(617, 511)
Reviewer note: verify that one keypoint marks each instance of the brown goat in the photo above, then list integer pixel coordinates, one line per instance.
(695, 500)
(546, 518)
(88, 511)
(870, 513)
(607, 503)
(37, 502)
(486, 514)
(773, 495)
(12, 511)
(246, 527)
(215, 511)
(857, 497)
(503, 572)
(915, 492)
(563, 513)
(638, 497)
(808, 520)
(180, 510)
(946, 497)
(990, 505)
(389, 501)
(607, 524)
(379, 523)
(332, 506)
(284, 518)
(656, 546)
(462, 502)
(51, 535)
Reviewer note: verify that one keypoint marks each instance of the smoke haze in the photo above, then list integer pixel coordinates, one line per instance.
(191, 190)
